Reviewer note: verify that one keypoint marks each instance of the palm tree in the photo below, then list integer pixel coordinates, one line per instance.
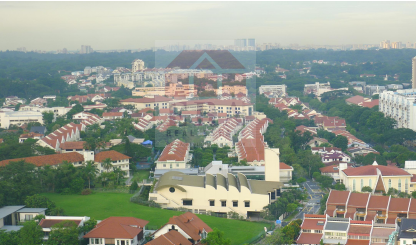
(90, 171)
(118, 172)
(107, 164)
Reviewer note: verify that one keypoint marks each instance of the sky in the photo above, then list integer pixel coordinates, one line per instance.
(139, 25)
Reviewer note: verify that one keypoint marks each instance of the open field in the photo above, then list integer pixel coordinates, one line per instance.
(102, 205)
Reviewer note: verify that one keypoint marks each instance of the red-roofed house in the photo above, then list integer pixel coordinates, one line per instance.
(174, 156)
(379, 178)
(69, 132)
(118, 231)
(311, 229)
(118, 160)
(189, 225)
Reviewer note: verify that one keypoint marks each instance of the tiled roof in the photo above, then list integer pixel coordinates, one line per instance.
(372, 170)
(190, 224)
(64, 132)
(313, 224)
(283, 166)
(338, 197)
(31, 135)
(358, 200)
(170, 238)
(357, 242)
(118, 227)
(378, 202)
(412, 208)
(175, 150)
(52, 159)
(112, 114)
(113, 155)
(329, 169)
(309, 238)
(355, 99)
(399, 205)
(371, 104)
(413, 179)
(146, 100)
(228, 102)
(359, 230)
(73, 145)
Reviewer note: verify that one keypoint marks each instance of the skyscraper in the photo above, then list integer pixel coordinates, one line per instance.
(86, 49)
(252, 42)
(414, 73)
(240, 42)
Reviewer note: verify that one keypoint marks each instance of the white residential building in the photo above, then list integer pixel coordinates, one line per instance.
(400, 106)
(275, 89)
(174, 156)
(19, 118)
(137, 65)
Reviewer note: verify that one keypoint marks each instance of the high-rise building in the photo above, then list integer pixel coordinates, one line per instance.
(137, 65)
(240, 42)
(414, 73)
(85, 49)
(252, 42)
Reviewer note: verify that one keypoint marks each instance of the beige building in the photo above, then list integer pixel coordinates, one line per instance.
(149, 91)
(152, 103)
(137, 65)
(379, 178)
(236, 89)
(220, 194)
(414, 72)
(231, 107)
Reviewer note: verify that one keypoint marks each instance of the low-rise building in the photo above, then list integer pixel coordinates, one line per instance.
(311, 229)
(335, 231)
(118, 161)
(152, 103)
(118, 231)
(188, 225)
(49, 221)
(220, 194)
(19, 118)
(11, 216)
(112, 115)
(175, 156)
(407, 233)
(32, 135)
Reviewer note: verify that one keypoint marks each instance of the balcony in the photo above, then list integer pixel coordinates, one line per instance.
(340, 210)
(360, 213)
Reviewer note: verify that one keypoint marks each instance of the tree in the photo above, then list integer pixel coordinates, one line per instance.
(133, 186)
(414, 194)
(31, 233)
(339, 186)
(107, 164)
(340, 142)
(17, 181)
(88, 226)
(216, 237)
(76, 109)
(9, 238)
(64, 233)
(90, 171)
(367, 189)
(47, 117)
(40, 201)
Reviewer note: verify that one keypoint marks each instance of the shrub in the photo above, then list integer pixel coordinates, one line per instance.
(86, 192)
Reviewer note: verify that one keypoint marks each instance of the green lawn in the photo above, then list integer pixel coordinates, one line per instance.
(102, 205)
(140, 175)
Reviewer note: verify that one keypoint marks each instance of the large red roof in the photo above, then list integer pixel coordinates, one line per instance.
(338, 197)
(118, 227)
(372, 170)
(175, 150)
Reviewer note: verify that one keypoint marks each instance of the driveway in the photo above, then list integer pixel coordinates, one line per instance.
(315, 195)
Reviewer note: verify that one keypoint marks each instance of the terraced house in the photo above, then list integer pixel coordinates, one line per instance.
(368, 207)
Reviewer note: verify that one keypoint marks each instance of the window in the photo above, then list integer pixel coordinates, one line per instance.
(28, 217)
(406, 185)
(389, 183)
(223, 203)
(177, 165)
(369, 183)
(235, 203)
(187, 202)
(97, 241)
(400, 185)
(247, 204)
(362, 184)
(171, 189)
(212, 203)
(164, 165)
(353, 185)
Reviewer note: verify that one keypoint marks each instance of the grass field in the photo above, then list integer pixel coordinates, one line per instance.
(140, 175)
(104, 204)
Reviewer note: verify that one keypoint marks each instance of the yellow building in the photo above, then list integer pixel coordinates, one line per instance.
(220, 194)
(154, 102)
(379, 178)
(149, 91)
(231, 107)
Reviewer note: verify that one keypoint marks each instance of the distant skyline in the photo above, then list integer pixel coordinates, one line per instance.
(138, 25)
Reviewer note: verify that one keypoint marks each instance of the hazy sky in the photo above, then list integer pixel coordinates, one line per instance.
(134, 25)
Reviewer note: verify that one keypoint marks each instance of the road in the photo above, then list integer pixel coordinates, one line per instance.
(314, 198)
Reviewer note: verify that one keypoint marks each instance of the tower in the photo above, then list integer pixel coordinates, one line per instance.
(272, 164)
(137, 65)
(414, 73)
